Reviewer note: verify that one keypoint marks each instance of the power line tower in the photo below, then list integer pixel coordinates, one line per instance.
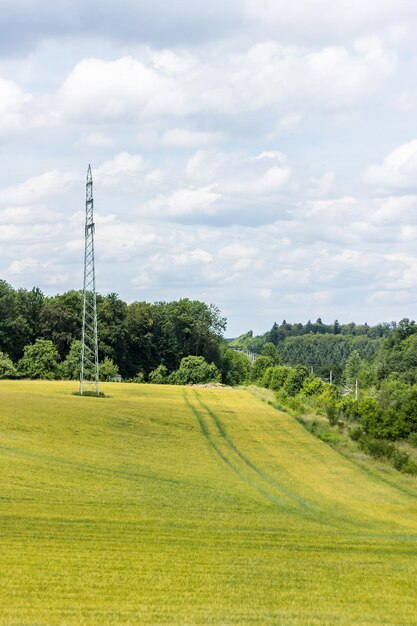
(89, 376)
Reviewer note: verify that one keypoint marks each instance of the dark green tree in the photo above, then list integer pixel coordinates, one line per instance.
(60, 320)
(235, 366)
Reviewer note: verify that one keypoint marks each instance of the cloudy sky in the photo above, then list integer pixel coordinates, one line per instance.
(257, 154)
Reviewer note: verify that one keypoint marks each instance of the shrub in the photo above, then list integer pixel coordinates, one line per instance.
(356, 433)
(412, 440)
(348, 407)
(159, 375)
(377, 448)
(7, 369)
(261, 364)
(275, 377)
(400, 459)
(331, 413)
(236, 367)
(312, 386)
(195, 370)
(410, 467)
(295, 404)
(108, 369)
(295, 379)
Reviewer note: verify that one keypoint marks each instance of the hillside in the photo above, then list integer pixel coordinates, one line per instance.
(174, 505)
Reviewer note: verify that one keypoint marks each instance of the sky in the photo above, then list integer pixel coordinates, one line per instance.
(260, 155)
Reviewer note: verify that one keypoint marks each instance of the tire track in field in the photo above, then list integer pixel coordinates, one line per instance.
(213, 445)
(259, 472)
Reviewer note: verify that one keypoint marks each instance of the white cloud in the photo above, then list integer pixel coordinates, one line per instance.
(23, 266)
(123, 165)
(323, 185)
(123, 89)
(271, 154)
(184, 138)
(47, 185)
(182, 203)
(334, 77)
(98, 140)
(12, 102)
(393, 209)
(398, 169)
(325, 19)
(193, 256)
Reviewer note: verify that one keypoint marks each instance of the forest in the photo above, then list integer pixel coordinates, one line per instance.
(311, 367)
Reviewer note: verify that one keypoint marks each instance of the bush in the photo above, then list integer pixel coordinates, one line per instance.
(275, 377)
(410, 467)
(295, 379)
(356, 433)
(159, 376)
(377, 448)
(194, 370)
(236, 367)
(312, 386)
(400, 459)
(108, 369)
(261, 364)
(347, 408)
(7, 368)
(331, 413)
(412, 440)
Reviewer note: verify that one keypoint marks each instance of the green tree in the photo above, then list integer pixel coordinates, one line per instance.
(198, 328)
(260, 366)
(295, 379)
(159, 376)
(71, 367)
(7, 368)
(112, 328)
(14, 329)
(40, 360)
(312, 386)
(61, 319)
(30, 304)
(108, 369)
(275, 377)
(236, 367)
(352, 367)
(269, 349)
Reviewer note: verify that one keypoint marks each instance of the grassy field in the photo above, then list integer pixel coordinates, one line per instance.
(170, 505)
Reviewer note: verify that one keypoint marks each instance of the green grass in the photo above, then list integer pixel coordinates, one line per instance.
(171, 505)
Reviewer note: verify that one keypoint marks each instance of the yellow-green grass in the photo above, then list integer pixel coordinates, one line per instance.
(172, 505)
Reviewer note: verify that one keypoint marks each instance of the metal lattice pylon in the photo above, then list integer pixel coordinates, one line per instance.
(89, 375)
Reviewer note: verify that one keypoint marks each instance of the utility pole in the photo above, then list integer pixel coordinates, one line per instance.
(89, 375)
(356, 390)
(331, 377)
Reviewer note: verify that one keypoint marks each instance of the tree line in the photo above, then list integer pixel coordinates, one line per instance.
(320, 346)
(40, 337)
